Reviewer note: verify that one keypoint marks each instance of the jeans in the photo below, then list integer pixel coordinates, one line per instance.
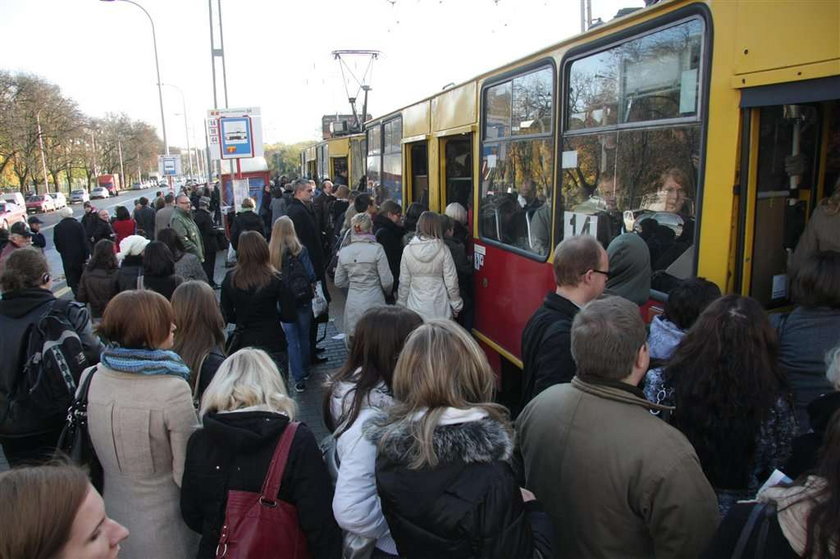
(297, 336)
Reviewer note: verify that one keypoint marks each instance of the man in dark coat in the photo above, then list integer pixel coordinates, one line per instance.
(300, 212)
(71, 242)
(89, 219)
(581, 267)
(322, 206)
(101, 228)
(145, 218)
(204, 221)
(389, 233)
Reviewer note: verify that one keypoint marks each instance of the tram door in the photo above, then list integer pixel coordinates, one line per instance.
(792, 156)
(418, 173)
(456, 172)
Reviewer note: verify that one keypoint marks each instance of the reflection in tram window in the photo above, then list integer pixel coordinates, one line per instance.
(517, 162)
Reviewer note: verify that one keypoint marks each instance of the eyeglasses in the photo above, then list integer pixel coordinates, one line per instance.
(607, 274)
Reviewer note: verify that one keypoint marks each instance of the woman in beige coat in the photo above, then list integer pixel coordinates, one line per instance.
(140, 417)
(363, 269)
(428, 277)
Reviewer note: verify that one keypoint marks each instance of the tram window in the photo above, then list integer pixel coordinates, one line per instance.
(497, 111)
(641, 181)
(654, 77)
(459, 172)
(516, 194)
(391, 182)
(374, 154)
(532, 102)
(358, 150)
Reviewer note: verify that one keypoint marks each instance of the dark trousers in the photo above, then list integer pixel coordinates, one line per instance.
(209, 266)
(33, 450)
(73, 275)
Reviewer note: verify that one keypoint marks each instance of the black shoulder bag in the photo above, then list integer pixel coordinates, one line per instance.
(75, 442)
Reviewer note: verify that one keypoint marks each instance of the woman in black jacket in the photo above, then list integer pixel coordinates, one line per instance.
(27, 435)
(131, 265)
(99, 281)
(443, 456)
(389, 233)
(244, 413)
(246, 220)
(159, 269)
(204, 220)
(251, 297)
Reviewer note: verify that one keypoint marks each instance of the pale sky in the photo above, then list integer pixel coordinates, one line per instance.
(277, 52)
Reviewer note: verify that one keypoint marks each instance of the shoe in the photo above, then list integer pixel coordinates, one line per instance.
(318, 360)
(300, 386)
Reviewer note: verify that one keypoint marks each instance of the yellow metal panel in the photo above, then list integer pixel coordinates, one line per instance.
(339, 147)
(774, 34)
(752, 182)
(412, 139)
(454, 107)
(792, 74)
(416, 120)
(455, 131)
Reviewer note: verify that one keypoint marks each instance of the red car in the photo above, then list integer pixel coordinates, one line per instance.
(40, 203)
(10, 213)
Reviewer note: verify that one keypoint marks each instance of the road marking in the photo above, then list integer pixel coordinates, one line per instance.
(61, 292)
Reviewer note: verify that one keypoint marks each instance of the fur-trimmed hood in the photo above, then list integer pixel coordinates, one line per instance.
(481, 441)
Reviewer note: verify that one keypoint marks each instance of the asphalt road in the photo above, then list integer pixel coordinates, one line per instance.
(50, 219)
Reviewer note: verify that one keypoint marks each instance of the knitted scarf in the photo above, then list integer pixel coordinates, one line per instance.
(144, 361)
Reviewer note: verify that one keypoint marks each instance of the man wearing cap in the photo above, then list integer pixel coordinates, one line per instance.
(38, 239)
(186, 229)
(19, 237)
(71, 242)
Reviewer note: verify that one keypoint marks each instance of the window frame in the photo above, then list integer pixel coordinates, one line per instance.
(694, 11)
(509, 76)
(645, 30)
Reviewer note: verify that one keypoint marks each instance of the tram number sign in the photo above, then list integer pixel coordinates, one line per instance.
(479, 252)
(579, 224)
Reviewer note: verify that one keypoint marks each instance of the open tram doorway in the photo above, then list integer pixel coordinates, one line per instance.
(418, 173)
(790, 162)
(457, 172)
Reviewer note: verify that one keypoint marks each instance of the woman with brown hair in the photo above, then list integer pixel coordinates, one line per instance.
(52, 512)
(428, 277)
(140, 417)
(360, 390)
(251, 298)
(443, 446)
(99, 280)
(199, 333)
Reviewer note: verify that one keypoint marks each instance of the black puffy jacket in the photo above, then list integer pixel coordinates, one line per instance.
(245, 221)
(18, 310)
(469, 506)
(232, 452)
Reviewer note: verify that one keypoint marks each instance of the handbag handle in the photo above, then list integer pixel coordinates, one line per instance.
(271, 485)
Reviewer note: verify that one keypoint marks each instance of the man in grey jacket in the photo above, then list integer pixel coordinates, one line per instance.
(615, 480)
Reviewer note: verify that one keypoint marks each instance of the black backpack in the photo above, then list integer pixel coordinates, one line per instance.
(53, 365)
(296, 278)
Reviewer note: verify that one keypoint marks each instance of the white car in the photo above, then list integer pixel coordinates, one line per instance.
(99, 192)
(79, 196)
(59, 199)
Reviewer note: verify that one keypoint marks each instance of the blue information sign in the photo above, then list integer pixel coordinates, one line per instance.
(237, 139)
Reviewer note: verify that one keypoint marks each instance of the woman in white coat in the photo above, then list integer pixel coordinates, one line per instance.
(428, 278)
(363, 269)
(358, 391)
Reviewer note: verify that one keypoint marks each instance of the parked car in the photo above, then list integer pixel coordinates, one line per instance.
(79, 196)
(15, 198)
(99, 192)
(10, 213)
(40, 203)
(59, 199)
(136, 186)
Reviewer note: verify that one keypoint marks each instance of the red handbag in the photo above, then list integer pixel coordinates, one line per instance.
(259, 524)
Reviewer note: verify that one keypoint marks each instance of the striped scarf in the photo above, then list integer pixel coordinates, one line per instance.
(144, 361)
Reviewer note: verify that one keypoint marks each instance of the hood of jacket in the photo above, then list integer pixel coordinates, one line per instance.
(341, 399)
(629, 259)
(18, 304)
(482, 441)
(425, 250)
(244, 431)
(664, 338)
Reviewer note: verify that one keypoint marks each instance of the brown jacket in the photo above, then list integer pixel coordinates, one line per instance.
(615, 480)
(97, 288)
(822, 233)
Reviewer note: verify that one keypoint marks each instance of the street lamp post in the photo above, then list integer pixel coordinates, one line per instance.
(186, 128)
(157, 70)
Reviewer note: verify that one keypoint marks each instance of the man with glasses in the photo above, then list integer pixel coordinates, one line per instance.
(186, 229)
(581, 270)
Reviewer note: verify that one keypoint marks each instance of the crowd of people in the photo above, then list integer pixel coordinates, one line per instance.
(628, 440)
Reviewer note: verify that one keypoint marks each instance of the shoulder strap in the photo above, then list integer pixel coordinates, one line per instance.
(198, 376)
(85, 388)
(271, 485)
(747, 531)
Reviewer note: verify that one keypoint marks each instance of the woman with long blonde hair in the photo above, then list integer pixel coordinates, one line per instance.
(291, 258)
(199, 332)
(445, 447)
(245, 411)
